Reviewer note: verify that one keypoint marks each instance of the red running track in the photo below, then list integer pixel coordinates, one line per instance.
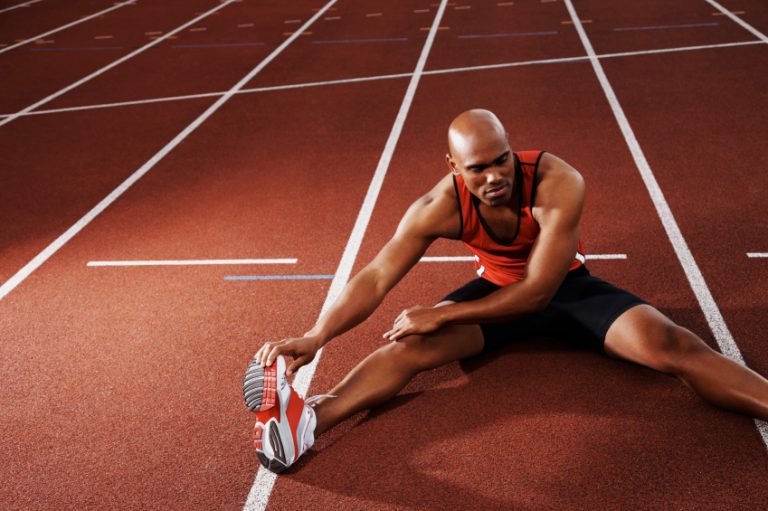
(122, 385)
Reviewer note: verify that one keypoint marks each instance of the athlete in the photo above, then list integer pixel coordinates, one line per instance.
(519, 214)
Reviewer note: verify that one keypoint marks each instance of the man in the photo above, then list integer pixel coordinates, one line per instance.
(519, 213)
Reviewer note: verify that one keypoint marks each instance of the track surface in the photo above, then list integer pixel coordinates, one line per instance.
(122, 385)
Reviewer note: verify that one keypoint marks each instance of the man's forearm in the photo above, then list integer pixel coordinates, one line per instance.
(506, 303)
(358, 300)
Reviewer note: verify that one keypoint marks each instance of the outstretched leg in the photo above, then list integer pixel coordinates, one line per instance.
(381, 375)
(645, 336)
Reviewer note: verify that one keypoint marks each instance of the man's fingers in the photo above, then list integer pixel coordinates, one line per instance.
(276, 350)
(297, 363)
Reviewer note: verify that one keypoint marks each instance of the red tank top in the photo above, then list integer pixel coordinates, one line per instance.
(499, 262)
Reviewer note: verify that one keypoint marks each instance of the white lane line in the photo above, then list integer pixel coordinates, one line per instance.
(190, 262)
(446, 259)
(757, 254)
(265, 480)
(245, 25)
(388, 77)
(595, 257)
(217, 94)
(746, 26)
(59, 242)
(68, 25)
(373, 15)
(25, 4)
(692, 272)
(114, 63)
(453, 259)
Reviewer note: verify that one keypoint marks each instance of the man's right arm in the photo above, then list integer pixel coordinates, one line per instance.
(432, 216)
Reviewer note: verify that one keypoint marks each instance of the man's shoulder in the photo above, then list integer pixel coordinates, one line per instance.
(558, 183)
(436, 211)
(554, 168)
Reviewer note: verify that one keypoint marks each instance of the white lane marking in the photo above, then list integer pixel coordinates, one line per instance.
(291, 22)
(198, 29)
(420, 11)
(692, 272)
(596, 257)
(154, 32)
(445, 259)
(70, 233)
(245, 25)
(452, 259)
(757, 254)
(386, 77)
(25, 4)
(114, 63)
(68, 25)
(331, 18)
(101, 37)
(373, 15)
(265, 480)
(190, 262)
(746, 26)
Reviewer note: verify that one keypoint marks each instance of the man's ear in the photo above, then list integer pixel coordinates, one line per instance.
(450, 163)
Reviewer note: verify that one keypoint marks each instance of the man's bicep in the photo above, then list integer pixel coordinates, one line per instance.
(559, 216)
(552, 256)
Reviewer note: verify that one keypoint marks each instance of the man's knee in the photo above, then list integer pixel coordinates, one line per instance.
(416, 353)
(677, 347)
(406, 354)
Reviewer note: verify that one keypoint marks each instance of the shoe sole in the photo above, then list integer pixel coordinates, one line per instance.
(263, 389)
(278, 463)
(259, 386)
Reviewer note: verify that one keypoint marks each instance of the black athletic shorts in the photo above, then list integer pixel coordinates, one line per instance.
(581, 312)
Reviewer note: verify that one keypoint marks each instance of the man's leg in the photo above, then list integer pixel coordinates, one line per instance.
(645, 336)
(381, 375)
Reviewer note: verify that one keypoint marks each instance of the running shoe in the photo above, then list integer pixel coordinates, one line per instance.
(285, 422)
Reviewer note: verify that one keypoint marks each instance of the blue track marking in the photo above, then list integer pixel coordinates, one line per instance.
(279, 277)
(506, 34)
(217, 45)
(361, 41)
(662, 27)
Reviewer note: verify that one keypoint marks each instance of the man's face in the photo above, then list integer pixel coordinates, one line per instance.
(487, 166)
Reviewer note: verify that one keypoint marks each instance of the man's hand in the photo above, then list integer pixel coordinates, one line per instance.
(416, 320)
(301, 349)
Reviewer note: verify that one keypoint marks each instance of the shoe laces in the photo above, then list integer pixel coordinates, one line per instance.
(308, 438)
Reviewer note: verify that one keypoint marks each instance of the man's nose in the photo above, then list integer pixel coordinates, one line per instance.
(492, 176)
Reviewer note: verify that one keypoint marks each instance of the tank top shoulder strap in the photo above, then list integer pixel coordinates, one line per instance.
(464, 203)
(529, 162)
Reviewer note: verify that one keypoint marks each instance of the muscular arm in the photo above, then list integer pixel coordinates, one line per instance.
(433, 215)
(559, 202)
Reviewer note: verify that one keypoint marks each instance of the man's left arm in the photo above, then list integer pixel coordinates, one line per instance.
(559, 202)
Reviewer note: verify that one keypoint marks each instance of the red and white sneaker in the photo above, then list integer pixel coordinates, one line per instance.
(285, 422)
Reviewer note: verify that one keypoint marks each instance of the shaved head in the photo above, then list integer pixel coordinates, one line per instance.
(473, 130)
(479, 152)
